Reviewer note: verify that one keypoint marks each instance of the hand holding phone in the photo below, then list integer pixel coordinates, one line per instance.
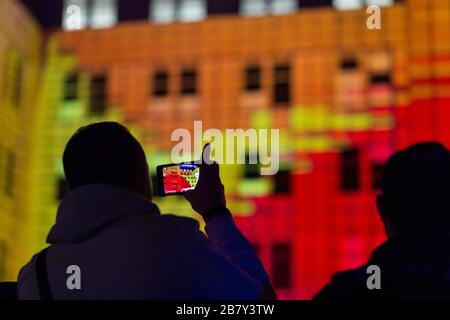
(200, 183)
(177, 178)
(209, 192)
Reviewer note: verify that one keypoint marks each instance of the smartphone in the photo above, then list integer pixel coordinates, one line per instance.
(177, 178)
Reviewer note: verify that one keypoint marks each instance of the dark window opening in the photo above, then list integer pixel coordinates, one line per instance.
(63, 188)
(223, 7)
(281, 265)
(252, 170)
(349, 63)
(282, 181)
(253, 78)
(377, 175)
(189, 82)
(18, 77)
(98, 95)
(9, 174)
(138, 11)
(3, 251)
(282, 90)
(71, 87)
(350, 170)
(5, 83)
(380, 79)
(256, 249)
(160, 84)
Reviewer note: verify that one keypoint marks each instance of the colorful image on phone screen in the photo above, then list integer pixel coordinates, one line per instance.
(180, 178)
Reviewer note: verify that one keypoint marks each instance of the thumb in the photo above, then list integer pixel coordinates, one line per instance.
(189, 195)
(206, 154)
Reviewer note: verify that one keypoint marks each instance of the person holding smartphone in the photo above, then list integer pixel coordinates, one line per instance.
(110, 240)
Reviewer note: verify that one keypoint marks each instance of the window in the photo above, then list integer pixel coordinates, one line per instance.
(253, 78)
(12, 85)
(164, 11)
(282, 94)
(71, 87)
(262, 7)
(192, 10)
(160, 84)
(98, 95)
(2, 165)
(381, 3)
(103, 14)
(9, 172)
(256, 249)
(80, 14)
(283, 6)
(282, 181)
(189, 82)
(348, 4)
(349, 63)
(2, 258)
(350, 170)
(358, 4)
(62, 188)
(17, 87)
(253, 7)
(377, 175)
(281, 265)
(251, 170)
(382, 78)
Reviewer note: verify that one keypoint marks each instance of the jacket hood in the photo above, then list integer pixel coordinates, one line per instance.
(87, 209)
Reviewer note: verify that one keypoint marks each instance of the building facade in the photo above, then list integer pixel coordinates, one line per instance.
(344, 98)
(20, 61)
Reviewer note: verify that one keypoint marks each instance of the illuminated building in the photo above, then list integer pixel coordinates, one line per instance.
(344, 98)
(20, 53)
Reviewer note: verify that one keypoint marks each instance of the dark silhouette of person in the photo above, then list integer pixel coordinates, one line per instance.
(8, 291)
(414, 262)
(111, 242)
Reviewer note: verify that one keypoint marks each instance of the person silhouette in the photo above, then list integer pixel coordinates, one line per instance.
(414, 205)
(111, 242)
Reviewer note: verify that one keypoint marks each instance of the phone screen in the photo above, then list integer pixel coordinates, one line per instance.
(177, 178)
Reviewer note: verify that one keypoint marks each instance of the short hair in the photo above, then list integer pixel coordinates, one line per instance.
(416, 184)
(104, 153)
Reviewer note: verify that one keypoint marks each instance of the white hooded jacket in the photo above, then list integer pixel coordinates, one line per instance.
(125, 249)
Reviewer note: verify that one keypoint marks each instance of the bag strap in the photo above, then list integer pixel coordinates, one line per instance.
(42, 276)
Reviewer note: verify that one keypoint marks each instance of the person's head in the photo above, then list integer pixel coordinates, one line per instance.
(106, 153)
(415, 197)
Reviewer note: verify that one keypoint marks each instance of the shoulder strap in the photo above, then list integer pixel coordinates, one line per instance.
(42, 276)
